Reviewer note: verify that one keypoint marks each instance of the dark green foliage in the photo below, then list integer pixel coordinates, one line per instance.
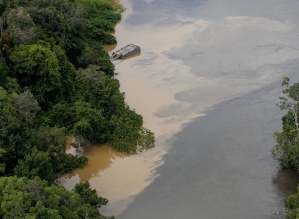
(292, 205)
(15, 135)
(36, 164)
(89, 195)
(64, 163)
(51, 25)
(121, 125)
(81, 119)
(96, 57)
(3, 71)
(57, 80)
(37, 68)
(67, 71)
(50, 139)
(101, 115)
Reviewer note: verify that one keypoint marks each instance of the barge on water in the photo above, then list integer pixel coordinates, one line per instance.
(125, 52)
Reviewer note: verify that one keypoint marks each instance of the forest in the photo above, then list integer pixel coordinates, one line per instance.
(56, 80)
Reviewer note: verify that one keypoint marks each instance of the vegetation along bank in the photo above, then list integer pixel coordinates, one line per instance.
(56, 80)
(286, 151)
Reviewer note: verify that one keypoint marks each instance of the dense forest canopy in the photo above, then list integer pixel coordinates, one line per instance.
(57, 80)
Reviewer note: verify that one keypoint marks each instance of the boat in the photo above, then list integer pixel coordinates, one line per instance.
(125, 52)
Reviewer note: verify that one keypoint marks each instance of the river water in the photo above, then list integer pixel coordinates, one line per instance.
(206, 82)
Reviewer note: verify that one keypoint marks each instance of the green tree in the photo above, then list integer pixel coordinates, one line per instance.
(21, 26)
(36, 164)
(89, 195)
(66, 91)
(290, 100)
(50, 23)
(37, 68)
(15, 136)
(26, 198)
(27, 106)
(50, 139)
(286, 150)
(292, 206)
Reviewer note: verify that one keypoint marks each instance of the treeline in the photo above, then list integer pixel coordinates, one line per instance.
(286, 151)
(56, 80)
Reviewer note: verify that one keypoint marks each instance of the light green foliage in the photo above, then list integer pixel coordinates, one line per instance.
(25, 198)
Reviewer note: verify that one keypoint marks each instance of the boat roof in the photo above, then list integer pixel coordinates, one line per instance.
(128, 48)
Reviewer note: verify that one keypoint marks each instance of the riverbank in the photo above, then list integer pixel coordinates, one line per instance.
(127, 176)
(190, 62)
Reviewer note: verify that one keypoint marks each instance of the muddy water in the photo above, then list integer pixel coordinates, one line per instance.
(206, 82)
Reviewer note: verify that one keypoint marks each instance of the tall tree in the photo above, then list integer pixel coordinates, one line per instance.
(27, 106)
(36, 164)
(290, 100)
(37, 68)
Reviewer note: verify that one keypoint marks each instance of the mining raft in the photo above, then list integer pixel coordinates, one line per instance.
(125, 52)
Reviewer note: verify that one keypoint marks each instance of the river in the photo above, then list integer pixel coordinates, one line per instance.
(206, 82)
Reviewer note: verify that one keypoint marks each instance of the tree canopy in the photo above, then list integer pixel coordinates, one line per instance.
(56, 80)
(33, 198)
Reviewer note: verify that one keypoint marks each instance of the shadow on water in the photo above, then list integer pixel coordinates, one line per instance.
(118, 61)
(286, 182)
(109, 48)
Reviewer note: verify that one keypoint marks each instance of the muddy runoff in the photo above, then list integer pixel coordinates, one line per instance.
(115, 175)
(196, 55)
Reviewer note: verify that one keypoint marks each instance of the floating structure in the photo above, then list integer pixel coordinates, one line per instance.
(125, 52)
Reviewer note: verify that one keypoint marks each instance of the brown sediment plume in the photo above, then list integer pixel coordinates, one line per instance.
(114, 175)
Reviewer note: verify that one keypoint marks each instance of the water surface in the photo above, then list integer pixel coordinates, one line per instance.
(206, 82)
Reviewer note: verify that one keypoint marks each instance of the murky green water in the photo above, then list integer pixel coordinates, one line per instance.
(206, 81)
